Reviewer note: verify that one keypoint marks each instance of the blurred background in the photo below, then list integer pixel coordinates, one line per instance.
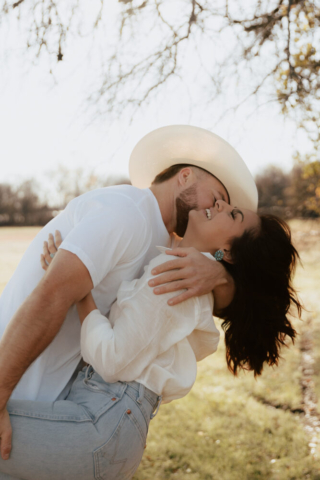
(81, 82)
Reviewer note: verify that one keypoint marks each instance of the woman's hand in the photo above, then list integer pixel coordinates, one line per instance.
(49, 249)
(193, 271)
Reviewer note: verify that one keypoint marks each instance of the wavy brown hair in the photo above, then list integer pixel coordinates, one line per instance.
(256, 323)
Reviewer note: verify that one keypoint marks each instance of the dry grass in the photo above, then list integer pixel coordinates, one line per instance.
(225, 429)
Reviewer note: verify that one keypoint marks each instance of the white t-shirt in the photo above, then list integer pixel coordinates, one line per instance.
(146, 340)
(114, 231)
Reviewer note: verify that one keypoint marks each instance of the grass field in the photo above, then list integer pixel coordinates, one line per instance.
(231, 428)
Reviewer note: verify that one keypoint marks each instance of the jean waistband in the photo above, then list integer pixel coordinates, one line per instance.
(148, 394)
(140, 391)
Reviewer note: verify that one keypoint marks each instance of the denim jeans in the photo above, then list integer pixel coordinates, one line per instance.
(99, 432)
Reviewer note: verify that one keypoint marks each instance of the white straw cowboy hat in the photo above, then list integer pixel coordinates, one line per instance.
(196, 146)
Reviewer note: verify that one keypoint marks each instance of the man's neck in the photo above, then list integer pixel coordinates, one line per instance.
(165, 198)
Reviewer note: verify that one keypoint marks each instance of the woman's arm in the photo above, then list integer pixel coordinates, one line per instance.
(85, 307)
(143, 327)
(143, 330)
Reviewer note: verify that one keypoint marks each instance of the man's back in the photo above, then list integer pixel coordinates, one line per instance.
(114, 232)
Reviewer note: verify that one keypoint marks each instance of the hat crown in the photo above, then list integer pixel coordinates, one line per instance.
(178, 144)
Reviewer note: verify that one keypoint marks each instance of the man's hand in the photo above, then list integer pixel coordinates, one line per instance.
(5, 434)
(193, 271)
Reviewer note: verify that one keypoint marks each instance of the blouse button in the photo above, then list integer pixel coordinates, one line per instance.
(113, 399)
(128, 412)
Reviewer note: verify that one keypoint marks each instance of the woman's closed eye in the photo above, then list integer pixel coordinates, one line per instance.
(234, 213)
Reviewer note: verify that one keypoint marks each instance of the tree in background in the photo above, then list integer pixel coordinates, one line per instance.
(268, 49)
(70, 183)
(21, 205)
(27, 204)
(292, 194)
(273, 190)
(8, 202)
(306, 185)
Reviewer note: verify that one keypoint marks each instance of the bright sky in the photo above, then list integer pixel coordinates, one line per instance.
(44, 124)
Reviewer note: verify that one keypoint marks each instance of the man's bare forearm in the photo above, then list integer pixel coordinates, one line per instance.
(40, 317)
(29, 332)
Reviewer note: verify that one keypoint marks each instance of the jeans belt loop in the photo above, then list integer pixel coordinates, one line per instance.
(89, 373)
(158, 406)
(141, 393)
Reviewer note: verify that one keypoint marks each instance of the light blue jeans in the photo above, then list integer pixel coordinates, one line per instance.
(99, 432)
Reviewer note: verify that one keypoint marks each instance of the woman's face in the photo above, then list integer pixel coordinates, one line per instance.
(214, 229)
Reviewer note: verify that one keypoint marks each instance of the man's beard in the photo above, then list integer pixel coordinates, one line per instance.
(187, 201)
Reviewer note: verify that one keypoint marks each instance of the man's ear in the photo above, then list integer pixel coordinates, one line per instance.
(185, 177)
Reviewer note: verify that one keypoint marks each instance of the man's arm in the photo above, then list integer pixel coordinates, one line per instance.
(37, 322)
(197, 274)
(35, 325)
(39, 318)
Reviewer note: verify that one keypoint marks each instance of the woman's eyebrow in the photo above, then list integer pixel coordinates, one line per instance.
(236, 210)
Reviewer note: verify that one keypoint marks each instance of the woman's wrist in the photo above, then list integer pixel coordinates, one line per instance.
(85, 307)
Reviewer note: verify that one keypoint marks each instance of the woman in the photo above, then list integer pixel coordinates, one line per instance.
(147, 350)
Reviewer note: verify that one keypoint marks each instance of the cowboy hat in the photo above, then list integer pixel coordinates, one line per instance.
(175, 144)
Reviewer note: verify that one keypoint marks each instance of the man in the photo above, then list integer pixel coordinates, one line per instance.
(108, 236)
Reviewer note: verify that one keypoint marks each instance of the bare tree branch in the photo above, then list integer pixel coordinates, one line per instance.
(274, 44)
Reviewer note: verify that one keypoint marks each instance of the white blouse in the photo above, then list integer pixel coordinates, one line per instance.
(146, 340)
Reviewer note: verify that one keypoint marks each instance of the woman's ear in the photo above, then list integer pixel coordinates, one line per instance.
(227, 256)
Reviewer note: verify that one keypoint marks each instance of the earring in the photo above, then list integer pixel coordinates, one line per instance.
(219, 255)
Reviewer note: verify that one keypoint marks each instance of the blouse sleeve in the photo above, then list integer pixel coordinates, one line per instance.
(145, 327)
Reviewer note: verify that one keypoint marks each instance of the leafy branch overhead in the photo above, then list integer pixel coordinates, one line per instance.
(263, 48)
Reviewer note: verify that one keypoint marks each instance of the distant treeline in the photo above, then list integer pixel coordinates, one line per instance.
(289, 195)
(292, 194)
(28, 204)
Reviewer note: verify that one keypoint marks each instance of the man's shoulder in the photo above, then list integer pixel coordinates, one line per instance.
(125, 193)
(124, 199)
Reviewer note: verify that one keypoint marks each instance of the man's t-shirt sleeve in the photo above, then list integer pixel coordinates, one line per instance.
(108, 234)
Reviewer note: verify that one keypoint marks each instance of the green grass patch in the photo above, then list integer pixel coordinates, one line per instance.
(221, 432)
(225, 429)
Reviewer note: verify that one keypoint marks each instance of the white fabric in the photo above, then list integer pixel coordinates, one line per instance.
(114, 232)
(146, 340)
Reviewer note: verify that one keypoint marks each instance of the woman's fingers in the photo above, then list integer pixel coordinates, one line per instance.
(50, 248)
(44, 264)
(46, 253)
(51, 245)
(57, 238)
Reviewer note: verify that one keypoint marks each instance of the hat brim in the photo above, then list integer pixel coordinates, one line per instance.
(177, 144)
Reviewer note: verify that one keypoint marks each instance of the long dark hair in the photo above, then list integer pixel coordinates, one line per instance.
(256, 322)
